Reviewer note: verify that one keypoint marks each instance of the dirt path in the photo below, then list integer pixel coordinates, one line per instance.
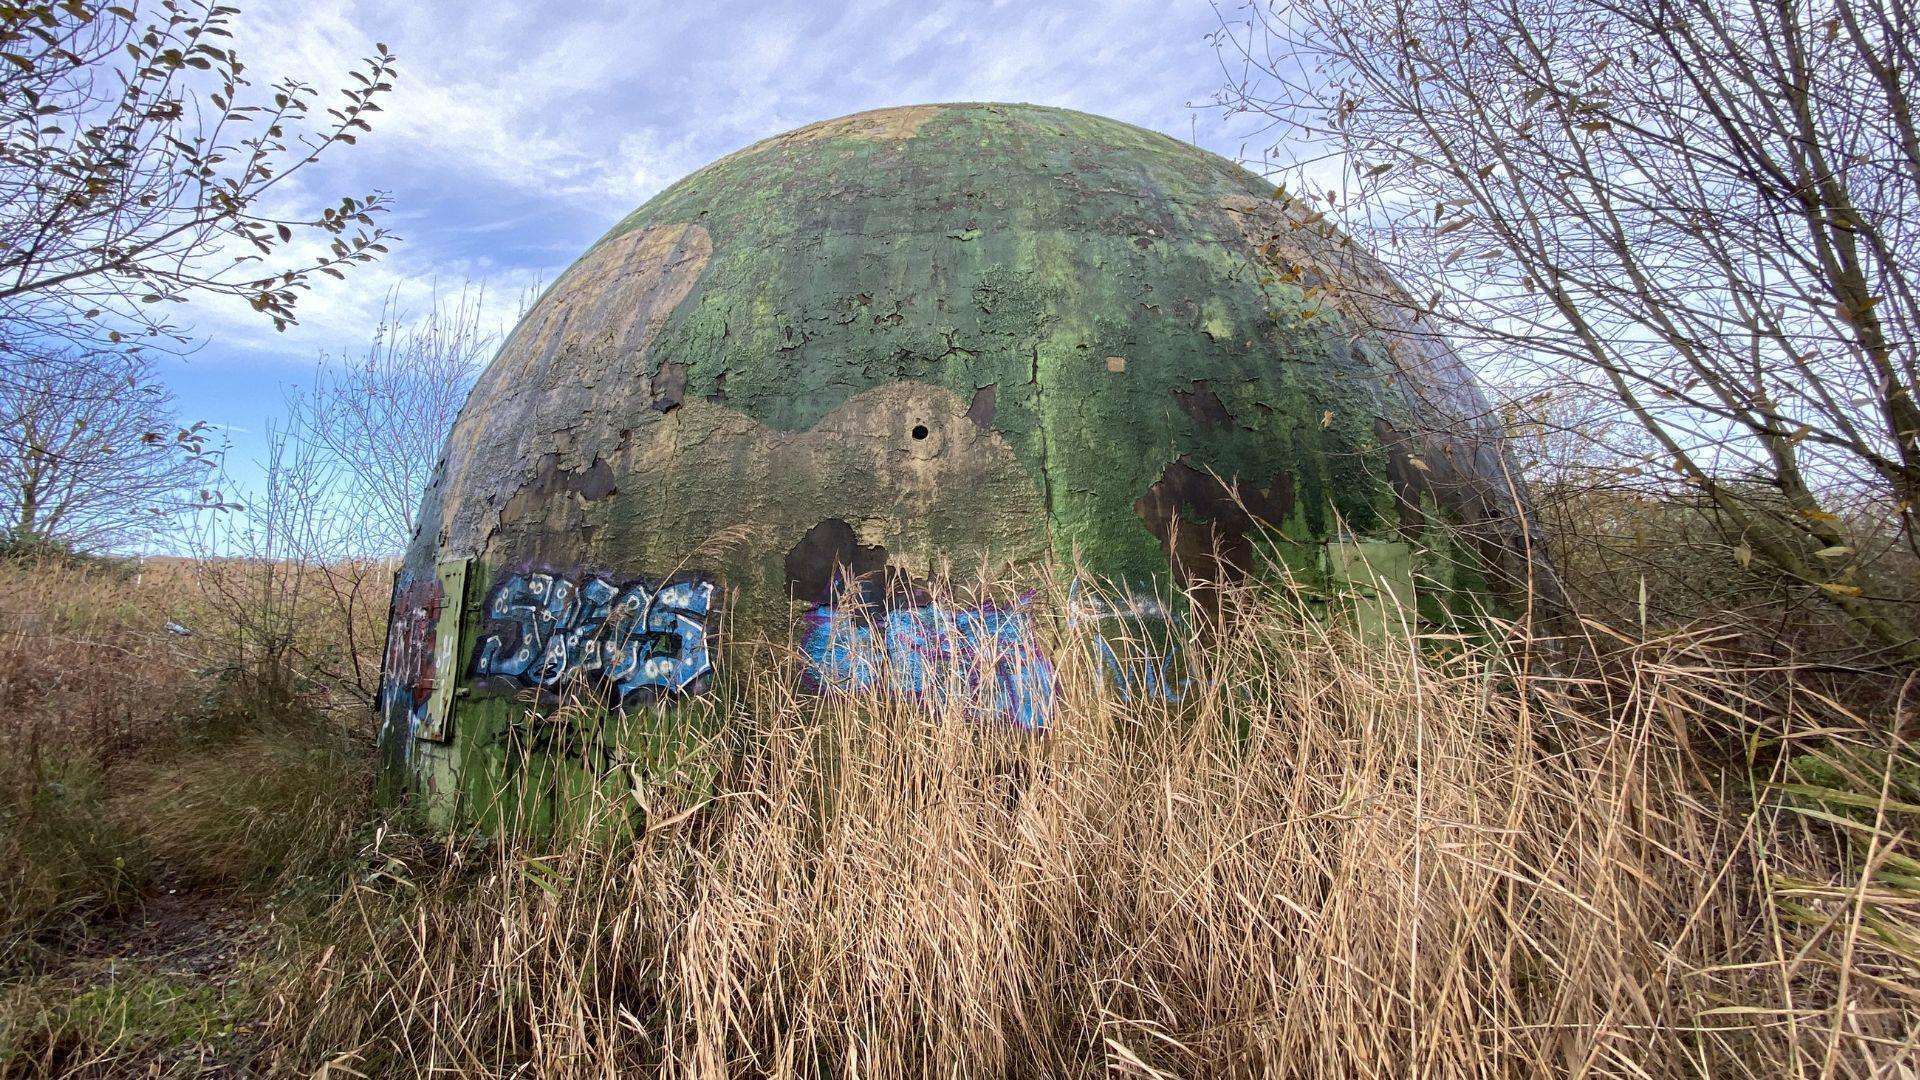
(163, 992)
(182, 933)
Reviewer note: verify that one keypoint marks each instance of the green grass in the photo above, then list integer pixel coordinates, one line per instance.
(116, 1019)
(259, 810)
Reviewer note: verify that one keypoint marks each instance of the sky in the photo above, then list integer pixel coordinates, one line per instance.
(518, 132)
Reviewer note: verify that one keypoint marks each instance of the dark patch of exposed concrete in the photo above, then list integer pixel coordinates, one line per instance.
(593, 483)
(1207, 524)
(831, 552)
(596, 482)
(981, 410)
(1203, 405)
(669, 387)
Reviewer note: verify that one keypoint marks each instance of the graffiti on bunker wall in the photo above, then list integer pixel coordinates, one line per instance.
(408, 680)
(643, 638)
(410, 627)
(647, 639)
(985, 658)
(1136, 639)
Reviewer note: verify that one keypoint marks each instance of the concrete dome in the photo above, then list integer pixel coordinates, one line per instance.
(920, 339)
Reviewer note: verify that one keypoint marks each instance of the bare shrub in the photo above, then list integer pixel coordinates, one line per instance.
(92, 457)
(303, 574)
(377, 421)
(1642, 551)
(298, 615)
(1702, 213)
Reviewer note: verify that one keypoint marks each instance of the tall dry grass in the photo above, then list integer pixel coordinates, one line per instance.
(152, 801)
(89, 675)
(86, 659)
(133, 755)
(1333, 857)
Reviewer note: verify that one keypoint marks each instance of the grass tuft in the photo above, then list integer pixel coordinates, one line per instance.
(259, 809)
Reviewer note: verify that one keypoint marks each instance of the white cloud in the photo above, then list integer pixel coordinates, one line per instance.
(515, 132)
(610, 102)
(338, 317)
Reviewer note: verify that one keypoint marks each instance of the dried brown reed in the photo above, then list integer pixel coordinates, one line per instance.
(1335, 855)
(86, 659)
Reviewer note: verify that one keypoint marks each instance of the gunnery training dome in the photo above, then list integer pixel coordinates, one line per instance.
(912, 345)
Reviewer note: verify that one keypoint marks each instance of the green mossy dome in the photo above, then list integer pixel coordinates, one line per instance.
(949, 334)
(910, 346)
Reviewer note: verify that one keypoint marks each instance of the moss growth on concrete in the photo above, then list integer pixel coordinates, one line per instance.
(997, 335)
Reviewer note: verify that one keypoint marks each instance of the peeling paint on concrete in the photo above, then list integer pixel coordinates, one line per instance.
(593, 483)
(950, 497)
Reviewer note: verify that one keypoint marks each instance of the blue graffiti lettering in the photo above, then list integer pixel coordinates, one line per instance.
(984, 659)
(1134, 640)
(643, 639)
